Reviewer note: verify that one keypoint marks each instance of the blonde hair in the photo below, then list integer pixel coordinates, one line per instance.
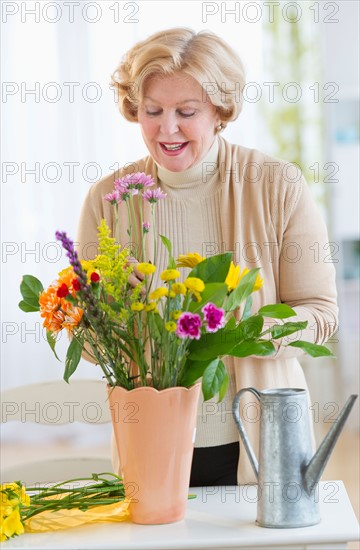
(203, 55)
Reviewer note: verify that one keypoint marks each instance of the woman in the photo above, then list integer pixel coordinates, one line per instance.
(182, 88)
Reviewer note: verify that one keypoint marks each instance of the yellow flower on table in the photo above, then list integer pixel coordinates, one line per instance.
(150, 306)
(146, 268)
(169, 274)
(12, 526)
(12, 496)
(189, 260)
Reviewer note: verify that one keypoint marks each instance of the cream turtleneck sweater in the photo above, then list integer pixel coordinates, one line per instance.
(190, 218)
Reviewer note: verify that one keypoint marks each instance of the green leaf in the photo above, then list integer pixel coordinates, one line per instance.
(223, 388)
(167, 243)
(243, 290)
(261, 348)
(96, 289)
(51, 338)
(212, 345)
(193, 370)
(213, 378)
(27, 307)
(31, 289)
(315, 350)
(214, 269)
(278, 331)
(247, 309)
(277, 311)
(214, 293)
(116, 306)
(251, 327)
(73, 357)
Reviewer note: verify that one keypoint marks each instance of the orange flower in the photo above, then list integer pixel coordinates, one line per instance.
(67, 277)
(50, 304)
(72, 318)
(54, 323)
(52, 309)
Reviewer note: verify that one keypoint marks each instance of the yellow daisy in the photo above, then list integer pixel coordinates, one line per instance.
(137, 306)
(169, 274)
(194, 284)
(170, 326)
(146, 268)
(158, 293)
(178, 288)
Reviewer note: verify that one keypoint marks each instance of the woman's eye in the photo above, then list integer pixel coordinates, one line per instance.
(153, 113)
(186, 114)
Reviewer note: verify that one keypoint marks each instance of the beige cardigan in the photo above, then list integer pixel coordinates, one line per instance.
(270, 220)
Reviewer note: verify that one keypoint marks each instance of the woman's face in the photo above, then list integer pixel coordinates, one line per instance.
(177, 120)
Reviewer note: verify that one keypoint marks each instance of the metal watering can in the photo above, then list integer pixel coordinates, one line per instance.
(287, 472)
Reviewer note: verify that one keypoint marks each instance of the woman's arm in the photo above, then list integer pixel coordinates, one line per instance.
(307, 274)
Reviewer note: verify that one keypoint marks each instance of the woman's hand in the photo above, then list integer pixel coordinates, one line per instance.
(135, 277)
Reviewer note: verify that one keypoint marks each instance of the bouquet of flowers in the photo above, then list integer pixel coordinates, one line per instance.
(171, 335)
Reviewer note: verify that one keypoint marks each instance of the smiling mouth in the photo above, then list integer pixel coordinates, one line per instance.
(173, 147)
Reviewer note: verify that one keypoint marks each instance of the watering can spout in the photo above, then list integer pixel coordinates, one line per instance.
(318, 462)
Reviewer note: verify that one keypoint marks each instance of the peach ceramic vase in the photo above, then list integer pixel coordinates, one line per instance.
(155, 433)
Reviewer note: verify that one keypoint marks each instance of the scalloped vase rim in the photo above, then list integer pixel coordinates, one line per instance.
(150, 388)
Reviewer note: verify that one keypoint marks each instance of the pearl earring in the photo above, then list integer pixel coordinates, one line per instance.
(219, 128)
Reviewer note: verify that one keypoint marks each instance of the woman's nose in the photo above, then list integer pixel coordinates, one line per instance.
(169, 124)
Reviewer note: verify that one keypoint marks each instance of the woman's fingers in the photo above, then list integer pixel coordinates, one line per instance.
(135, 277)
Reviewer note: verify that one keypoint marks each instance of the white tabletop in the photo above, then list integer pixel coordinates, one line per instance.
(220, 517)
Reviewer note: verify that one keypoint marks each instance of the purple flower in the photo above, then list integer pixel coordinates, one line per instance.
(153, 195)
(68, 245)
(214, 317)
(146, 227)
(188, 326)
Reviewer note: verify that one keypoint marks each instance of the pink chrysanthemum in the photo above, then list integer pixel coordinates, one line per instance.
(214, 317)
(188, 326)
(153, 195)
(135, 181)
(113, 198)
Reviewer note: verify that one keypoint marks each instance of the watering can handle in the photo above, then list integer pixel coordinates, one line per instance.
(240, 427)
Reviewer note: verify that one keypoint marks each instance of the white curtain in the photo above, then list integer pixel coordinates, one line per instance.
(62, 132)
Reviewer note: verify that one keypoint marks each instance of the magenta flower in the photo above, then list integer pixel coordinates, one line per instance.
(214, 317)
(146, 227)
(188, 326)
(153, 195)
